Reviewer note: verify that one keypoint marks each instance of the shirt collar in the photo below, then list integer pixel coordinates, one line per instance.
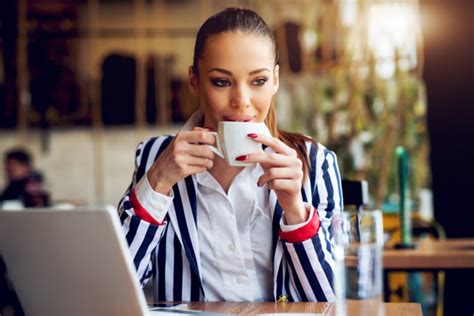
(196, 119)
(207, 180)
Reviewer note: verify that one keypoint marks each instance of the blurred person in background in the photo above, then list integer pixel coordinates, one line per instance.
(24, 188)
(24, 184)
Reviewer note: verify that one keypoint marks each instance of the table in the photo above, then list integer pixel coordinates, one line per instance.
(391, 309)
(432, 255)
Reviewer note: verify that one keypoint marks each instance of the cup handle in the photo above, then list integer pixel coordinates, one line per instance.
(217, 149)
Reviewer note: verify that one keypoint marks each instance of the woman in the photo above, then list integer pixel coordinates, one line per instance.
(208, 231)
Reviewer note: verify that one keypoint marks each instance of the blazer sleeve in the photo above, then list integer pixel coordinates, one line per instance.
(311, 262)
(141, 235)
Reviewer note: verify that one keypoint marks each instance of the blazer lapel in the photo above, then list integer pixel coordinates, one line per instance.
(277, 248)
(184, 221)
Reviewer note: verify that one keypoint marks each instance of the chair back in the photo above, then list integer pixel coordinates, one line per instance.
(355, 193)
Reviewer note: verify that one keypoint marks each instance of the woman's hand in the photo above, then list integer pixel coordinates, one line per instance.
(188, 153)
(283, 174)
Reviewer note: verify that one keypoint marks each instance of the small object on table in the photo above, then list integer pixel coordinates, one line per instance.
(405, 218)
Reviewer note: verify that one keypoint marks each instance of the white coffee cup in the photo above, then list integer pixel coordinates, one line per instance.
(232, 141)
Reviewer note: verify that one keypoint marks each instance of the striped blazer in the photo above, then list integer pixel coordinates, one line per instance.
(170, 252)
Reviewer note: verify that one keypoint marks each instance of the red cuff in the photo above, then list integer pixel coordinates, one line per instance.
(303, 233)
(140, 210)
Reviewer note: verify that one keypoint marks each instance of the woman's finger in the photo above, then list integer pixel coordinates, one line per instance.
(274, 143)
(196, 169)
(270, 159)
(279, 173)
(287, 185)
(198, 162)
(199, 150)
(208, 129)
(198, 137)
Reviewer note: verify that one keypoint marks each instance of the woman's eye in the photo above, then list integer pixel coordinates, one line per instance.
(220, 82)
(259, 81)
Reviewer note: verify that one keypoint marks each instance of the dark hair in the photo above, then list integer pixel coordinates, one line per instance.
(231, 20)
(248, 21)
(19, 155)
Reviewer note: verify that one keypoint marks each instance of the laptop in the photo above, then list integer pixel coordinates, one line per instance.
(70, 262)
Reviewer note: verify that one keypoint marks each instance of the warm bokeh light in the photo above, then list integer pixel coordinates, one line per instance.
(384, 30)
(393, 27)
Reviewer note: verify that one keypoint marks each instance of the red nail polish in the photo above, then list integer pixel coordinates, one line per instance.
(241, 158)
(252, 135)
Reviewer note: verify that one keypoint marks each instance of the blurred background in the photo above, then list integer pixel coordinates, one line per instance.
(82, 82)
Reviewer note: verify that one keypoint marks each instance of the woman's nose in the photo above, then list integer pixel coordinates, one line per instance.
(240, 98)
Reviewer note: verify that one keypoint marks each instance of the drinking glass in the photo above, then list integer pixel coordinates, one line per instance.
(358, 249)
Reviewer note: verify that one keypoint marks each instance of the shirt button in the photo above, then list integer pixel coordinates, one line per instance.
(241, 279)
(231, 247)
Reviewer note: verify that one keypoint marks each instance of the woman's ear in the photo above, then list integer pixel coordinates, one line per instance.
(193, 82)
(276, 78)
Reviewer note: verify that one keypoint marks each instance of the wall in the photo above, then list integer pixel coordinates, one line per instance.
(449, 75)
(69, 163)
(177, 26)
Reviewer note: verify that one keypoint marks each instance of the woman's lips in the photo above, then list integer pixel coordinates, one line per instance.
(239, 118)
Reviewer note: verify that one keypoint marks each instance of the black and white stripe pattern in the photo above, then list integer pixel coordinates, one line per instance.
(170, 252)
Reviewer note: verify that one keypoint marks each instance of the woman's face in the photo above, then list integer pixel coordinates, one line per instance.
(237, 78)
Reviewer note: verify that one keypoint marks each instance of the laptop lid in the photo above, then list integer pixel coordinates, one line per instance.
(70, 262)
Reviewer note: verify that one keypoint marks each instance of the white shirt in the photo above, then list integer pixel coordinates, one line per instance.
(234, 231)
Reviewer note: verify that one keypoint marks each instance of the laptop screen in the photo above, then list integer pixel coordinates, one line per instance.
(70, 262)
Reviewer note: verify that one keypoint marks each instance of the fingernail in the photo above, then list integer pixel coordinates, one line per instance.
(210, 128)
(252, 135)
(242, 158)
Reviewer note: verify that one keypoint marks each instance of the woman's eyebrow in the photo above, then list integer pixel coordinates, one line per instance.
(259, 70)
(227, 72)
